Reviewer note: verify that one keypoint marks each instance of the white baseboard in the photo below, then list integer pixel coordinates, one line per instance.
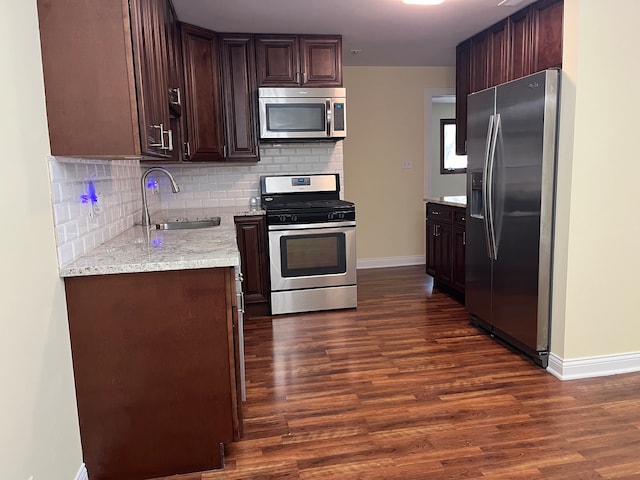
(82, 473)
(390, 262)
(593, 366)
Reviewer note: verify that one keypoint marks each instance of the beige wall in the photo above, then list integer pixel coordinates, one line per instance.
(38, 420)
(386, 126)
(597, 248)
(440, 185)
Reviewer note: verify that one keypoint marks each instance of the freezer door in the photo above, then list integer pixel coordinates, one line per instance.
(481, 107)
(523, 182)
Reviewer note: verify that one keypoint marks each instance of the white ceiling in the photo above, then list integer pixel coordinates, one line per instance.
(387, 31)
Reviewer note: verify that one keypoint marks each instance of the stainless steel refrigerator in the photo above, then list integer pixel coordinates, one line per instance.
(511, 148)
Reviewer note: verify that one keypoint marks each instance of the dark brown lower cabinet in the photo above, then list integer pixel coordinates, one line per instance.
(445, 245)
(251, 233)
(155, 370)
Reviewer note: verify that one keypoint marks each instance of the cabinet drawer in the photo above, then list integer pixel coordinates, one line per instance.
(459, 216)
(439, 212)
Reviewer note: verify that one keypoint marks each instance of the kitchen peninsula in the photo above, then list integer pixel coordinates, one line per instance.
(153, 320)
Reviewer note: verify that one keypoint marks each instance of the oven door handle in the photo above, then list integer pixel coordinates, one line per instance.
(312, 226)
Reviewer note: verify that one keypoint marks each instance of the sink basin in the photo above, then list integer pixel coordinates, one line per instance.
(188, 224)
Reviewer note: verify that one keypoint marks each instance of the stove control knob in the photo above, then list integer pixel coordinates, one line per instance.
(341, 215)
(330, 216)
(282, 218)
(294, 218)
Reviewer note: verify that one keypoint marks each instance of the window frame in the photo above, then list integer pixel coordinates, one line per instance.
(447, 171)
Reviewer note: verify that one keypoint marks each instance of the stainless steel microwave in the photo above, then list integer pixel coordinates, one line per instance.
(302, 113)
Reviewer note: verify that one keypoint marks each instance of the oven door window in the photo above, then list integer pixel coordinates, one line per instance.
(296, 117)
(313, 254)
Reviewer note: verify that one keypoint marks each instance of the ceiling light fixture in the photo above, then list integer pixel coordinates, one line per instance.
(508, 3)
(422, 2)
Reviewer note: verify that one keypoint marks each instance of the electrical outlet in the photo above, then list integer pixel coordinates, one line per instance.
(406, 164)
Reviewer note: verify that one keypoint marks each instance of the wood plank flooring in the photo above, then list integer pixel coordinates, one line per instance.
(404, 387)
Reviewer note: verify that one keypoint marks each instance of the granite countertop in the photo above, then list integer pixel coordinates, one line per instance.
(144, 249)
(453, 201)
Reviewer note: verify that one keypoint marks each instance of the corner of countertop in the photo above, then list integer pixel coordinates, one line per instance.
(451, 200)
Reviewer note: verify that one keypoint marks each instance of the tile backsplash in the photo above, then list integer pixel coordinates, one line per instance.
(203, 185)
(84, 221)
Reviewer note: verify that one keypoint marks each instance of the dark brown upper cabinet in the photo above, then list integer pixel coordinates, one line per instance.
(498, 53)
(203, 98)
(220, 96)
(239, 92)
(479, 62)
(295, 60)
(463, 87)
(176, 86)
(520, 44)
(547, 34)
(107, 94)
(526, 42)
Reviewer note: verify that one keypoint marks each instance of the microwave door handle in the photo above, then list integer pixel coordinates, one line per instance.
(328, 118)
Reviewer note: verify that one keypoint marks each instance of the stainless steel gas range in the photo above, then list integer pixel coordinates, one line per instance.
(312, 243)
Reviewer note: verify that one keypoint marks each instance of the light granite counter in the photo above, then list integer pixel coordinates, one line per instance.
(144, 249)
(453, 201)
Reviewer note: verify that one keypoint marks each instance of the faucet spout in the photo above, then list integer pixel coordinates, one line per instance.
(146, 218)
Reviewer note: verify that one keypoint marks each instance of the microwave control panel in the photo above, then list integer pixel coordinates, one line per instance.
(338, 116)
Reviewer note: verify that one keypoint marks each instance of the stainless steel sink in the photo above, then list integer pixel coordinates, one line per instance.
(188, 224)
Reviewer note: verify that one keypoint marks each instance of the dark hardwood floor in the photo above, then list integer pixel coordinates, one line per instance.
(404, 387)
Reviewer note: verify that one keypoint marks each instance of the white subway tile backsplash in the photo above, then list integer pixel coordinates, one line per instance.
(117, 186)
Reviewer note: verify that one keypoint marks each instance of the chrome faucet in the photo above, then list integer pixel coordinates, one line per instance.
(146, 218)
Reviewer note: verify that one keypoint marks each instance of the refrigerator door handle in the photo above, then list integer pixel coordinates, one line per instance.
(485, 197)
(493, 246)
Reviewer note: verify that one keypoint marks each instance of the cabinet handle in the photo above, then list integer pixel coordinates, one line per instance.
(178, 100)
(170, 135)
(298, 78)
(160, 145)
(187, 150)
(224, 151)
(464, 238)
(304, 78)
(241, 302)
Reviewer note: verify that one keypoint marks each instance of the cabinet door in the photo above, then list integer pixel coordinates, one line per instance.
(277, 60)
(321, 61)
(202, 95)
(444, 264)
(240, 95)
(498, 58)
(520, 44)
(547, 34)
(463, 87)
(479, 56)
(154, 391)
(86, 119)
(252, 243)
(431, 248)
(458, 258)
(176, 88)
(438, 256)
(150, 61)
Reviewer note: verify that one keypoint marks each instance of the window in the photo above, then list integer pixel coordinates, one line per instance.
(449, 161)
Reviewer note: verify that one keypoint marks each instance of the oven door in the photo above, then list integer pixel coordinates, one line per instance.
(312, 255)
